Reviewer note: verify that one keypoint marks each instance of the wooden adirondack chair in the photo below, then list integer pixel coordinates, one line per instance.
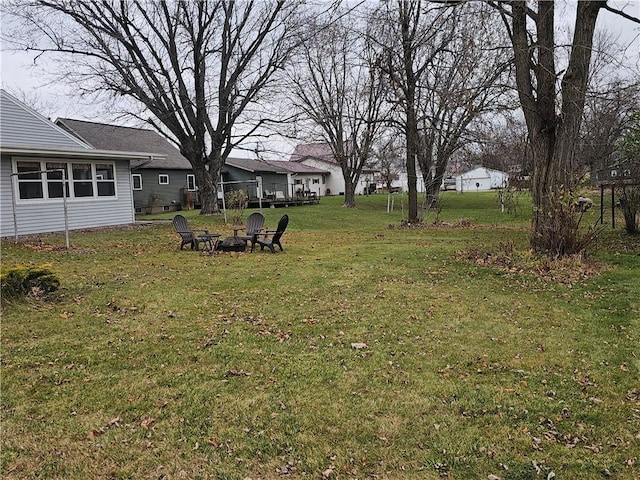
(265, 241)
(255, 223)
(191, 237)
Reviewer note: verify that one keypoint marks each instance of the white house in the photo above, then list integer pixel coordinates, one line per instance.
(481, 179)
(39, 162)
(320, 157)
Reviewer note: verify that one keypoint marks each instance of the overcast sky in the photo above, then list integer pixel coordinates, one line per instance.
(28, 82)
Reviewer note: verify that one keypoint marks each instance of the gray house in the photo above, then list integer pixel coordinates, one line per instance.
(305, 179)
(258, 178)
(162, 182)
(44, 168)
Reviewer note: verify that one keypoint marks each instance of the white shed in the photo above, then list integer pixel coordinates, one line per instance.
(481, 179)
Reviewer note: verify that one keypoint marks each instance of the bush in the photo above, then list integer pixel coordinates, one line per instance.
(630, 205)
(236, 202)
(558, 231)
(20, 280)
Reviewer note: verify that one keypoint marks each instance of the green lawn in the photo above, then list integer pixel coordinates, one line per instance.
(364, 350)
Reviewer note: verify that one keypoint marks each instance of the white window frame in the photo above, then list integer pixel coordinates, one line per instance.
(191, 180)
(162, 176)
(69, 189)
(133, 181)
(100, 178)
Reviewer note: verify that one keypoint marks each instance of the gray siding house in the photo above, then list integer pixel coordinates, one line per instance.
(40, 163)
(163, 182)
(262, 178)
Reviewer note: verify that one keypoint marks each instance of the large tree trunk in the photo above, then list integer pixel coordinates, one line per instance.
(553, 137)
(208, 189)
(349, 193)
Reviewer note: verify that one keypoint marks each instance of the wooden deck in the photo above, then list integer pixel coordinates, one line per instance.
(284, 202)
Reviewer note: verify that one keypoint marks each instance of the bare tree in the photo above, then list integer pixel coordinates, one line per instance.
(405, 30)
(198, 69)
(502, 145)
(613, 94)
(629, 180)
(465, 81)
(553, 133)
(338, 89)
(607, 115)
(388, 158)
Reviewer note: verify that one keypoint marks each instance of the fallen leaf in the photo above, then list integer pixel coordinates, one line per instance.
(359, 345)
(147, 423)
(328, 472)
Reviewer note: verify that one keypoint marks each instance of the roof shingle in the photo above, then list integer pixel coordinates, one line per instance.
(128, 139)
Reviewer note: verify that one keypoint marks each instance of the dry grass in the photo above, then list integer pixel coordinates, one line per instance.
(155, 363)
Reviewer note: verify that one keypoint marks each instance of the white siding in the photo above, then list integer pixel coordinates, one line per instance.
(481, 179)
(48, 215)
(335, 180)
(21, 126)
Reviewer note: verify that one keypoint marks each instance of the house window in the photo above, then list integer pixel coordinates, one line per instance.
(56, 173)
(191, 182)
(29, 184)
(316, 181)
(136, 181)
(163, 179)
(82, 180)
(53, 180)
(298, 181)
(106, 180)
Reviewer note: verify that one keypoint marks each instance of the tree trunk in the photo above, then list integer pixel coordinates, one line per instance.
(553, 137)
(433, 184)
(411, 132)
(349, 194)
(208, 189)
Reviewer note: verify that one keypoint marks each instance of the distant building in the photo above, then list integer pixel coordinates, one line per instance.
(303, 179)
(320, 156)
(481, 179)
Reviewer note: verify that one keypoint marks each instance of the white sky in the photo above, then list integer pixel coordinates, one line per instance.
(29, 82)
